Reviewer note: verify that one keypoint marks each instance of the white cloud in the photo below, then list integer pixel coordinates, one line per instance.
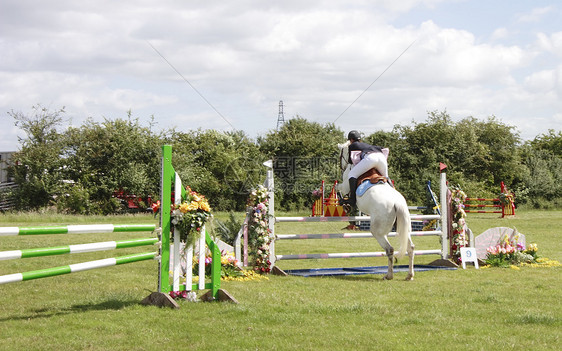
(500, 33)
(535, 14)
(244, 57)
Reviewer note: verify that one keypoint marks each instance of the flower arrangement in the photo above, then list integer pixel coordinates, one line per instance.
(259, 234)
(229, 265)
(229, 269)
(190, 216)
(460, 239)
(184, 295)
(506, 198)
(316, 194)
(511, 252)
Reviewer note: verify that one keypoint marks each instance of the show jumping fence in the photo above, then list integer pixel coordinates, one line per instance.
(169, 179)
(441, 233)
(505, 206)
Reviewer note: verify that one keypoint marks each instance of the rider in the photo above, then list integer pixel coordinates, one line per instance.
(364, 156)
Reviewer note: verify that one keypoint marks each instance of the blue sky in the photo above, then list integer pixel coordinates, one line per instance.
(470, 58)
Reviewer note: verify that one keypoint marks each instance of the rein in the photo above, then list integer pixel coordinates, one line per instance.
(343, 158)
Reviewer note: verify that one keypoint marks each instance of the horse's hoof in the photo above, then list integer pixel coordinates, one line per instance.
(386, 277)
(409, 277)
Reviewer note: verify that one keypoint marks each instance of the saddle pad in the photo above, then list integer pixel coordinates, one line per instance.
(366, 185)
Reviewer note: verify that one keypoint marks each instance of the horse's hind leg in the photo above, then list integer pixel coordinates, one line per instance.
(410, 275)
(383, 241)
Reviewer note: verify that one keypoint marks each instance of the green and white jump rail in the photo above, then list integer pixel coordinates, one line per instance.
(77, 229)
(77, 267)
(77, 248)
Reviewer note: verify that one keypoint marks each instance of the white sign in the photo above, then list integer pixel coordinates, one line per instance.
(468, 254)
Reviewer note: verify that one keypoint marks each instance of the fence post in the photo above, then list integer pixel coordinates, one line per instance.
(269, 184)
(444, 216)
(165, 208)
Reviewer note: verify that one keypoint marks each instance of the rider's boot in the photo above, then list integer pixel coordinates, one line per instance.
(352, 192)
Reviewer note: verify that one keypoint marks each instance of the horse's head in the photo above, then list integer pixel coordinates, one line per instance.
(345, 167)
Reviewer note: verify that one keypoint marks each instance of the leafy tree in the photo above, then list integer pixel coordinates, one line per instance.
(479, 154)
(223, 166)
(38, 164)
(119, 154)
(304, 154)
(551, 142)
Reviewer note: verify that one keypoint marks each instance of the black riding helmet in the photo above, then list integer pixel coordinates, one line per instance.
(354, 135)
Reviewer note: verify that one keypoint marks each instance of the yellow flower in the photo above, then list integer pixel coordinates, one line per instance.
(515, 267)
(204, 205)
(184, 207)
(193, 206)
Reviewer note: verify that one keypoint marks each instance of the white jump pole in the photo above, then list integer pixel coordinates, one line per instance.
(269, 185)
(202, 253)
(177, 266)
(444, 216)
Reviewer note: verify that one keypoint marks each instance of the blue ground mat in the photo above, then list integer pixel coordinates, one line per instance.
(321, 272)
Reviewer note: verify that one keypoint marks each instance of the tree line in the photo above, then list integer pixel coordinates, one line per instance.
(79, 169)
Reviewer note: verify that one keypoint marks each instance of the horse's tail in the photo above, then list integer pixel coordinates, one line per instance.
(403, 227)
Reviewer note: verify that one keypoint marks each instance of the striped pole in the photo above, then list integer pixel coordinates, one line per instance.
(480, 199)
(78, 248)
(350, 235)
(77, 229)
(349, 255)
(77, 267)
(345, 218)
(475, 205)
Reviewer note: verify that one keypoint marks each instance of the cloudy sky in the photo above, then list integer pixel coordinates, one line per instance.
(226, 64)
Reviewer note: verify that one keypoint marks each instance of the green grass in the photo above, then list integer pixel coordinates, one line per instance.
(472, 309)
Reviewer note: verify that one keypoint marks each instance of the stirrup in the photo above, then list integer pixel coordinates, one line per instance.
(348, 208)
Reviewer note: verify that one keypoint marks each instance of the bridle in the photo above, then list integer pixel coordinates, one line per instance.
(344, 159)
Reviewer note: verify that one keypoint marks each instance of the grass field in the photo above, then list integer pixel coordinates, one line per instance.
(487, 309)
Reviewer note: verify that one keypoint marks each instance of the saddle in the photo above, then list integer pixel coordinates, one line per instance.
(373, 176)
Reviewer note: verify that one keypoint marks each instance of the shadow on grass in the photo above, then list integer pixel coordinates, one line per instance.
(82, 308)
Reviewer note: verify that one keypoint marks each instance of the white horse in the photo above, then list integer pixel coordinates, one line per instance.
(385, 205)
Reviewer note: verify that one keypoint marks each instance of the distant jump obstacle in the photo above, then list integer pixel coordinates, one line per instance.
(441, 233)
(165, 284)
(327, 206)
(505, 205)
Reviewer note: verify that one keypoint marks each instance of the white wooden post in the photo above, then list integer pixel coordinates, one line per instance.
(202, 252)
(177, 265)
(444, 216)
(270, 189)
